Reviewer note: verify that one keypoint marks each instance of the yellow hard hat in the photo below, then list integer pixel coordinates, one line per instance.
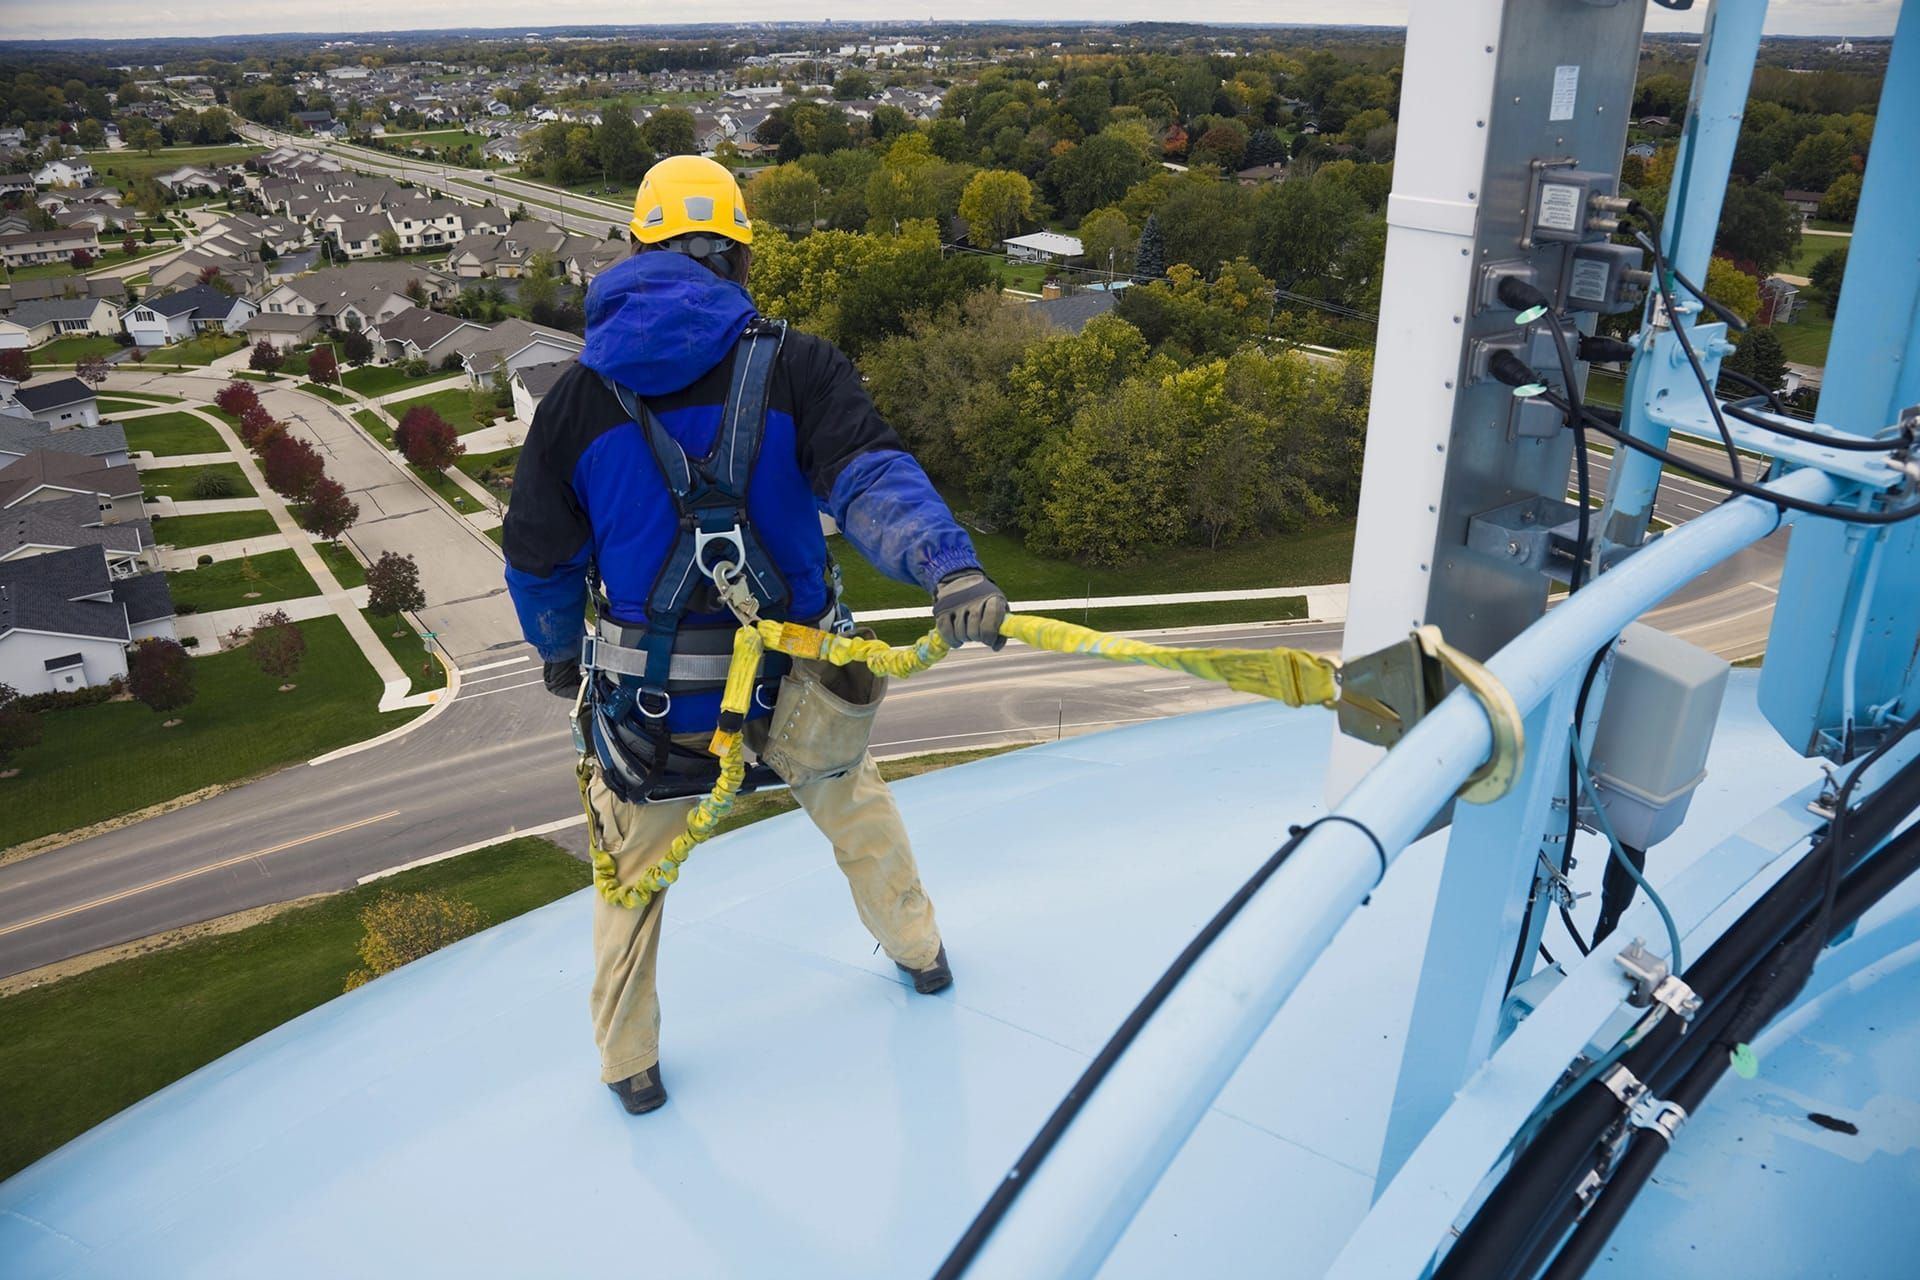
(687, 195)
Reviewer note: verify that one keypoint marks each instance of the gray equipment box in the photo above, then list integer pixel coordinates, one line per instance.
(1650, 747)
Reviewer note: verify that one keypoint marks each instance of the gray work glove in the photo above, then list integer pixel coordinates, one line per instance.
(562, 677)
(968, 607)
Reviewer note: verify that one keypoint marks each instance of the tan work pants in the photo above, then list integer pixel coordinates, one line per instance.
(855, 811)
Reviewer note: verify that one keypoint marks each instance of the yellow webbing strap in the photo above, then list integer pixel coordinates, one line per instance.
(1292, 676)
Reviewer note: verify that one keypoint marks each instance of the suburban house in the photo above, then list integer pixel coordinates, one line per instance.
(355, 235)
(64, 173)
(62, 403)
(15, 184)
(531, 384)
(1780, 301)
(420, 334)
(584, 267)
(504, 254)
(32, 323)
(427, 224)
(241, 275)
(12, 295)
(46, 476)
(357, 296)
(66, 622)
(158, 321)
(106, 444)
(280, 331)
(1043, 246)
(1804, 203)
(190, 180)
(102, 218)
(1072, 312)
(42, 528)
(514, 345)
(36, 248)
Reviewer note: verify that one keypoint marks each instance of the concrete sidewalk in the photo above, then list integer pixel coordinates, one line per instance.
(208, 628)
(189, 557)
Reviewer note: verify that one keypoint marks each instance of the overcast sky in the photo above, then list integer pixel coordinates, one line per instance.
(37, 19)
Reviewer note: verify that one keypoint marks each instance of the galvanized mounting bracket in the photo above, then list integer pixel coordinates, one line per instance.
(1654, 983)
(1386, 693)
(1644, 1111)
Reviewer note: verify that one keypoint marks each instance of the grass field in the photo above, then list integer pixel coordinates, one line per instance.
(1134, 617)
(202, 350)
(73, 348)
(1024, 276)
(347, 570)
(409, 651)
(325, 393)
(218, 526)
(380, 379)
(97, 762)
(74, 1052)
(1305, 558)
(501, 461)
(177, 482)
(448, 488)
(169, 433)
(1806, 340)
(376, 426)
(455, 404)
(498, 533)
(121, 168)
(1810, 250)
(226, 584)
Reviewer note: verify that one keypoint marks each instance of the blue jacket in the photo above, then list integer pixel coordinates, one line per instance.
(588, 493)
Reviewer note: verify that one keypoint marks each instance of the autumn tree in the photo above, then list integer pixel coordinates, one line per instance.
(402, 927)
(322, 367)
(92, 370)
(277, 646)
(81, 259)
(995, 204)
(428, 440)
(16, 365)
(292, 467)
(266, 358)
(327, 512)
(255, 422)
(393, 585)
(160, 674)
(786, 195)
(236, 398)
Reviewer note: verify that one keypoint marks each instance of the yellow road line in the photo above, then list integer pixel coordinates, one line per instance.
(187, 875)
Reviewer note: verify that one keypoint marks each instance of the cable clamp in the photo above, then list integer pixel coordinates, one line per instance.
(1644, 1111)
(1654, 983)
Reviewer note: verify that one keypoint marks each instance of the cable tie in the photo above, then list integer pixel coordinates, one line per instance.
(1298, 832)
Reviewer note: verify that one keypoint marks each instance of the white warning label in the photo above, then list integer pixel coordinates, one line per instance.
(1589, 282)
(1559, 207)
(1566, 87)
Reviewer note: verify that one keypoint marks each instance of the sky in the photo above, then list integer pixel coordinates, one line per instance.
(36, 19)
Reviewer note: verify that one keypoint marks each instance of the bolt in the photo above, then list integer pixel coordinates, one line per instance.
(1513, 548)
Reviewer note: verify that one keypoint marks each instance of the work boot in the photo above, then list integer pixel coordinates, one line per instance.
(935, 977)
(641, 1093)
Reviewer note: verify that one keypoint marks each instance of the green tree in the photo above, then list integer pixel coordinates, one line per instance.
(538, 284)
(1818, 160)
(1761, 357)
(853, 85)
(995, 204)
(1114, 484)
(390, 243)
(670, 132)
(1733, 288)
(1842, 199)
(1150, 261)
(1109, 240)
(1756, 225)
(786, 195)
(1827, 274)
(1097, 172)
(398, 928)
(624, 158)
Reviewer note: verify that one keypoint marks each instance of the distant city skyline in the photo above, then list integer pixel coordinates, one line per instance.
(123, 19)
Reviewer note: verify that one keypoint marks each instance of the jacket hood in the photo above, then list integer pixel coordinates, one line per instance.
(657, 321)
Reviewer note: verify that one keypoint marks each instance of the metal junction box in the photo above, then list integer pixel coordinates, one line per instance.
(1650, 747)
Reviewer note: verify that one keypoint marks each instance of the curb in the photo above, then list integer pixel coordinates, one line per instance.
(545, 828)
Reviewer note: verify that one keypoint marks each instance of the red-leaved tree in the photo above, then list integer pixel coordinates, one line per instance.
(322, 367)
(277, 646)
(160, 674)
(328, 512)
(266, 357)
(292, 467)
(254, 420)
(129, 247)
(81, 259)
(15, 365)
(393, 584)
(237, 397)
(428, 440)
(91, 370)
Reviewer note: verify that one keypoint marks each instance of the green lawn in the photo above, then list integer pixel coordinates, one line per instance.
(1024, 276)
(449, 489)
(501, 462)
(1135, 617)
(376, 426)
(409, 651)
(75, 1052)
(131, 401)
(120, 168)
(347, 569)
(97, 762)
(1809, 251)
(167, 433)
(498, 533)
(1805, 341)
(1308, 557)
(177, 482)
(326, 393)
(73, 348)
(218, 526)
(455, 404)
(226, 584)
(202, 350)
(380, 379)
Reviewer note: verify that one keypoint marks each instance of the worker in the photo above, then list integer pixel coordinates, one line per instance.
(688, 453)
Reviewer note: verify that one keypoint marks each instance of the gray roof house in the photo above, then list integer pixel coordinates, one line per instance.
(60, 627)
(42, 528)
(105, 443)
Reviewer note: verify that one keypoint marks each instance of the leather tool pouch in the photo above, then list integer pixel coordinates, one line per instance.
(822, 721)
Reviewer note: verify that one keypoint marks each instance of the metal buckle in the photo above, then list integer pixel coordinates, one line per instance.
(1644, 1111)
(666, 704)
(758, 690)
(732, 537)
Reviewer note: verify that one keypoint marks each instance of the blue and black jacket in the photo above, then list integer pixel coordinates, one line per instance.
(587, 492)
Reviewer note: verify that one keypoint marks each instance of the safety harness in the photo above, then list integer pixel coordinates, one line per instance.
(630, 674)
